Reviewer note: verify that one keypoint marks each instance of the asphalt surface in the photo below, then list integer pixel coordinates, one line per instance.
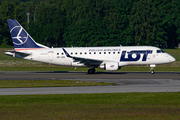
(125, 82)
(59, 75)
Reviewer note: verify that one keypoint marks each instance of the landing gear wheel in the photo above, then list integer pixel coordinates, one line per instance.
(91, 71)
(152, 71)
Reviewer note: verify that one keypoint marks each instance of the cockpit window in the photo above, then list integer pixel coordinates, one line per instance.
(163, 51)
(160, 51)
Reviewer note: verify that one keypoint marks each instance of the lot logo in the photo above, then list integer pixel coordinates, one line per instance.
(135, 55)
(112, 66)
(19, 36)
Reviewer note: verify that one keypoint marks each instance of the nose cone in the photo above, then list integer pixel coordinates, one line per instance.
(171, 59)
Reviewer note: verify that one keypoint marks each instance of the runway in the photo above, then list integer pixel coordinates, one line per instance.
(59, 75)
(125, 82)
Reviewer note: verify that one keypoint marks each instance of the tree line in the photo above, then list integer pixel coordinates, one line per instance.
(94, 22)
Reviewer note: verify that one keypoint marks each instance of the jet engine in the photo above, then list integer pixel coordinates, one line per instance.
(109, 66)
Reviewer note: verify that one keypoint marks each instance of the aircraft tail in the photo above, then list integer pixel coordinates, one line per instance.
(21, 39)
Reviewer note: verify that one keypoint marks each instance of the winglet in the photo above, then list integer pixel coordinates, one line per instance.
(67, 54)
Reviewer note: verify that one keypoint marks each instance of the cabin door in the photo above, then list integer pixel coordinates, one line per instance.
(50, 55)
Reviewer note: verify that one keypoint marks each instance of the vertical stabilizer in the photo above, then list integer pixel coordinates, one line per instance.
(21, 39)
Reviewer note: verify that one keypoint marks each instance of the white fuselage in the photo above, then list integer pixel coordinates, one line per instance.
(137, 55)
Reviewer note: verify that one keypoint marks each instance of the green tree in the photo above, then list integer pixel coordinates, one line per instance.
(7, 11)
(95, 22)
(177, 23)
(123, 31)
(143, 22)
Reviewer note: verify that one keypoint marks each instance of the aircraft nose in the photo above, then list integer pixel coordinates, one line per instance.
(172, 59)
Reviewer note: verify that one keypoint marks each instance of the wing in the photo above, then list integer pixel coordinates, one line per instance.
(86, 61)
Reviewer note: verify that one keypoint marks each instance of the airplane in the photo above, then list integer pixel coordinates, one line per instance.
(108, 58)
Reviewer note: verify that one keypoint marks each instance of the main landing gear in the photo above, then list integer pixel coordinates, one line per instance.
(91, 71)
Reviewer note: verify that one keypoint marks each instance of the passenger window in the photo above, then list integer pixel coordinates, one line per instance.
(89, 52)
(94, 52)
(85, 53)
(118, 52)
(76, 53)
(80, 53)
(57, 53)
(104, 52)
(109, 52)
(99, 52)
(61, 53)
(71, 53)
(113, 52)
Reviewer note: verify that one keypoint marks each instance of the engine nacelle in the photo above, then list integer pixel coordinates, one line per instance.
(110, 66)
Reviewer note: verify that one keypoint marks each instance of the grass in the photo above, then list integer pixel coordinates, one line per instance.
(126, 106)
(8, 63)
(48, 83)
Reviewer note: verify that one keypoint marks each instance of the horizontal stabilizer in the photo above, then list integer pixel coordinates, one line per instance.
(12, 52)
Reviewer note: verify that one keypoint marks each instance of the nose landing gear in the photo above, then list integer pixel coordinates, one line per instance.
(152, 67)
(152, 71)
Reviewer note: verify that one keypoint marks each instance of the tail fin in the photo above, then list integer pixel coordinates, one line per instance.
(21, 39)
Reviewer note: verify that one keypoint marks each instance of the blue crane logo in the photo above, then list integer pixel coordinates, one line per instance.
(19, 35)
